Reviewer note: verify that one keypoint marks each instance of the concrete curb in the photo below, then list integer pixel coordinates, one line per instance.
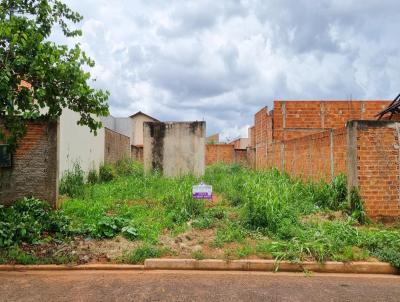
(271, 265)
(221, 265)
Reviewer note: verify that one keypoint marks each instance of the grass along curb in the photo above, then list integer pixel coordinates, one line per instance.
(222, 265)
(84, 267)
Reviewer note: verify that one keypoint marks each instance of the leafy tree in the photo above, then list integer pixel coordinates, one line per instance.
(39, 78)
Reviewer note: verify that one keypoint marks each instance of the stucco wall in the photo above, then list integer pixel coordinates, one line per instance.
(78, 144)
(138, 128)
(175, 148)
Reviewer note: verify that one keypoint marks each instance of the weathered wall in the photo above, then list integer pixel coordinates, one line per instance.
(78, 144)
(220, 153)
(373, 165)
(116, 146)
(137, 153)
(174, 148)
(138, 121)
(34, 170)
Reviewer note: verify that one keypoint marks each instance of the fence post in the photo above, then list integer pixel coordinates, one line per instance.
(332, 155)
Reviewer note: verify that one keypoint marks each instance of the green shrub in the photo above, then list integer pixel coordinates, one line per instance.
(390, 255)
(111, 226)
(356, 209)
(28, 219)
(231, 232)
(128, 167)
(198, 255)
(203, 222)
(181, 208)
(72, 182)
(18, 256)
(106, 173)
(92, 177)
(140, 254)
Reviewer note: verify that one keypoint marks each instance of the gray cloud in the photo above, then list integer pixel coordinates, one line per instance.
(223, 60)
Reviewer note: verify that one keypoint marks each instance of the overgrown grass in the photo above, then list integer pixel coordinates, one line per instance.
(146, 204)
(263, 213)
(275, 205)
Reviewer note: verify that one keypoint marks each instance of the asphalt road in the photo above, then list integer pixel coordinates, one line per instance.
(194, 286)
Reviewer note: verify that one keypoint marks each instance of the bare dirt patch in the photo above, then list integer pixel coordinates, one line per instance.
(319, 216)
(184, 245)
(102, 251)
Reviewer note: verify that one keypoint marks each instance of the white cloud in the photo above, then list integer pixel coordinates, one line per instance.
(223, 60)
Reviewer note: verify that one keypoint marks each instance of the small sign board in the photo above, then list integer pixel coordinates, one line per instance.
(202, 191)
(5, 156)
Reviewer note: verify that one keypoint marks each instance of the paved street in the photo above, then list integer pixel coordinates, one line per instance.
(194, 286)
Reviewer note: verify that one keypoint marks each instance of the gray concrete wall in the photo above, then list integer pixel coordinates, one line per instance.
(174, 148)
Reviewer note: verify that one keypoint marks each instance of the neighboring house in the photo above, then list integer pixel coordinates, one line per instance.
(137, 131)
(131, 127)
(240, 143)
(78, 145)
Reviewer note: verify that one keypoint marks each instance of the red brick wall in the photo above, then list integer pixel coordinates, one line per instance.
(34, 170)
(317, 156)
(219, 153)
(252, 137)
(292, 119)
(117, 146)
(262, 127)
(241, 156)
(376, 159)
(251, 157)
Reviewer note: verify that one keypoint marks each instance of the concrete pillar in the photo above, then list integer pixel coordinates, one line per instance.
(174, 148)
(352, 170)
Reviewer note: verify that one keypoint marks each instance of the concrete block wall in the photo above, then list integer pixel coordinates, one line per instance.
(34, 170)
(374, 165)
(174, 148)
(116, 146)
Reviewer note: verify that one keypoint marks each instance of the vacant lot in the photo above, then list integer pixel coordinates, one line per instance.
(125, 217)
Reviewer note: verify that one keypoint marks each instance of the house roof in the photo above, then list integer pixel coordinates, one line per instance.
(141, 113)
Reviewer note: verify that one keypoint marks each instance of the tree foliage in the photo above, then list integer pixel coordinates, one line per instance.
(39, 78)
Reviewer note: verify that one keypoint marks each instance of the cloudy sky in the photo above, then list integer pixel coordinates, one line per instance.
(222, 60)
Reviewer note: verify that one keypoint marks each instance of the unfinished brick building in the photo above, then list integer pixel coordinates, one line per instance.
(321, 139)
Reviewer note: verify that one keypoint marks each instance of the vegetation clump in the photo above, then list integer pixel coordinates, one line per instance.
(264, 214)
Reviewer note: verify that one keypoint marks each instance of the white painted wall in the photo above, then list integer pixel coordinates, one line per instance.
(78, 144)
